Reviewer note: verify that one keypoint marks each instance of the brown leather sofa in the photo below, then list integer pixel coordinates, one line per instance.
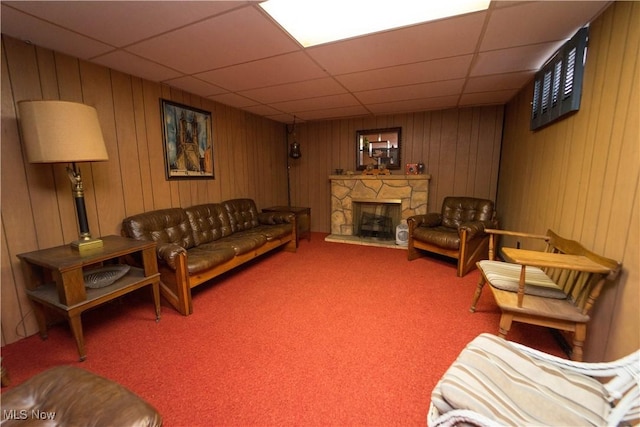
(456, 232)
(70, 396)
(198, 243)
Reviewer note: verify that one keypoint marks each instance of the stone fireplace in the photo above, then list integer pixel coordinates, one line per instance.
(381, 201)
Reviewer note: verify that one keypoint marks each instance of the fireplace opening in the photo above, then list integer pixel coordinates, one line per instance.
(376, 219)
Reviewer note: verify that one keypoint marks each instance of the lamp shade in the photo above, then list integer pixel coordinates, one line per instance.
(61, 132)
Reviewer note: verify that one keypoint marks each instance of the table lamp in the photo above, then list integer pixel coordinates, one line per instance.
(65, 132)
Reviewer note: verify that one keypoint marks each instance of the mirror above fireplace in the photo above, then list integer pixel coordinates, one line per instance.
(378, 148)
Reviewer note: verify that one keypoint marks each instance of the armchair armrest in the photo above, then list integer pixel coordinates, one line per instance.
(168, 252)
(427, 220)
(472, 228)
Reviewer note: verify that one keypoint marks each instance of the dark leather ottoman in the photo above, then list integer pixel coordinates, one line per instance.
(69, 396)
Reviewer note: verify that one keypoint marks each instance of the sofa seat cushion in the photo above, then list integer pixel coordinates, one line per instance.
(495, 379)
(506, 276)
(199, 259)
(240, 243)
(273, 232)
(444, 237)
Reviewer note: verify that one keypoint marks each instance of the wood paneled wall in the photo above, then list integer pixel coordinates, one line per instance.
(37, 204)
(580, 176)
(460, 149)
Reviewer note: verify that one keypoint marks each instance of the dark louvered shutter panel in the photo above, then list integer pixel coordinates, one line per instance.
(557, 86)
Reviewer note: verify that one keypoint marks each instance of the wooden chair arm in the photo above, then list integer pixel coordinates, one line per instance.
(516, 233)
(492, 232)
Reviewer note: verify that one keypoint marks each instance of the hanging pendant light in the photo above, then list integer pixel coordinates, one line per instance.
(294, 148)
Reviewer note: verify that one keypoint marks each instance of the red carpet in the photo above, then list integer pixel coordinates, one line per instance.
(334, 334)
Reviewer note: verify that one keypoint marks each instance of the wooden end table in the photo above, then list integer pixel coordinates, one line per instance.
(54, 279)
(303, 219)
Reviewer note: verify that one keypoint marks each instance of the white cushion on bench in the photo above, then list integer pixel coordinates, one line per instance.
(506, 276)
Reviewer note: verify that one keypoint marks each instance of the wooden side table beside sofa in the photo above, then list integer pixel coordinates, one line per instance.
(54, 279)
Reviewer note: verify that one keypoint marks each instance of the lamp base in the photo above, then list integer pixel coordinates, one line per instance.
(84, 246)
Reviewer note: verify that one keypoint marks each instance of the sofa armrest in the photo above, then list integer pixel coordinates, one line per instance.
(431, 219)
(168, 252)
(271, 218)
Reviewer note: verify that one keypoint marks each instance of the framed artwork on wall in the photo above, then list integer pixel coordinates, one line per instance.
(187, 141)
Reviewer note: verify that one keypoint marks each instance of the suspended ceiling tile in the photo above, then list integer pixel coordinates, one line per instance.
(193, 85)
(123, 22)
(525, 58)
(233, 100)
(440, 69)
(27, 28)
(537, 22)
(498, 81)
(136, 66)
(423, 90)
(261, 110)
(292, 67)
(443, 102)
(310, 104)
(488, 98)
(298, 90)
(439, 39)
(217, 42)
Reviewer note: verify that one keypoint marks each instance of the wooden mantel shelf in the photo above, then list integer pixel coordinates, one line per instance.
(379, 177)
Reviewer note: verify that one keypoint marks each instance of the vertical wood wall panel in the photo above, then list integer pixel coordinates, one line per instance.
(580, 176)
(127, 151)
(19, 230)
(143, 167)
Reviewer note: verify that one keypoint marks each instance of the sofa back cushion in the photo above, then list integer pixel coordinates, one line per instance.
(162, 226)
(209, 222)
(456, 210)
(243, 214)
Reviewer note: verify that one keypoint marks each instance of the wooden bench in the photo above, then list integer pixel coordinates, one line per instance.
(556, 288)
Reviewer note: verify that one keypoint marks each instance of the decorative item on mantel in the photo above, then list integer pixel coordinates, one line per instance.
(411, 169)
(373, 171)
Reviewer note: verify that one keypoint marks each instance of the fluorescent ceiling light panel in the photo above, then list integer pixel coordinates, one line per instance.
(314, 22)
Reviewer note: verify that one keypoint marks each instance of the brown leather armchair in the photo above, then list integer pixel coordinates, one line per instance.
(456, 232)
(70, 396)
